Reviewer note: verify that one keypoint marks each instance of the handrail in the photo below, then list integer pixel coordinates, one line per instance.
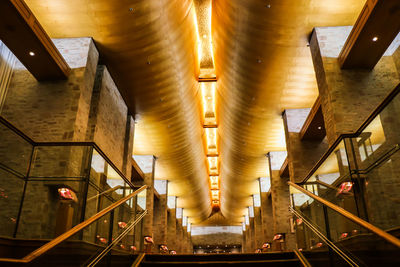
(138, 260)
(388, 237)
(112, 189)
(301, 258)
(315, 230)
(61, 238)
(116, 240)
(327, 186)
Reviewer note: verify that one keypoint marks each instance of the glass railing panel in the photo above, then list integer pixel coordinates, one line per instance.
(367, 248)
(381, 187)
(90, 242)
(107, 179)
(15, 152)
(380, 136)
(333, 182)
(60, 162)
(50, 207)
(309, 208)
(73, 252)
(315, 218)
(11, 191)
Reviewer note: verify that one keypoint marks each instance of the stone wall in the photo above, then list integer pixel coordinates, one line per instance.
(85, 107)
(347, 96)
(299, 166)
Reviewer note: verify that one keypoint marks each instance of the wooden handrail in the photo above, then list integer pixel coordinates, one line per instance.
(112, 189)
(301, 258)
(388, 237)
(138, 260)
(61, 238)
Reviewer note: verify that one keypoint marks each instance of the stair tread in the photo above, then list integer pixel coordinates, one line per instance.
(219, 262)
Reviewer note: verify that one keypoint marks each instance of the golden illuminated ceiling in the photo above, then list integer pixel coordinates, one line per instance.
(262, 64)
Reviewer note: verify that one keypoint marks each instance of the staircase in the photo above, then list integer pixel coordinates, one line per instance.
(262, 259)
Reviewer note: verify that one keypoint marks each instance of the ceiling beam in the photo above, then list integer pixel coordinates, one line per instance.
(25, 37)
(375, 29)
(314, 126)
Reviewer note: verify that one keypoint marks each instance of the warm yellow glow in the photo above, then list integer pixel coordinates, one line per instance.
(210, 37)
(208, 94)
(199, 54)
(211, 134)
(203, 26)
(214, 179)
(213, 165)
(215, 194)
(214, 182)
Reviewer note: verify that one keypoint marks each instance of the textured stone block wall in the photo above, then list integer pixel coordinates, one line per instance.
(266, 216)
(171, 234)
(299, 166)
(348, 96)
(258, 228)
(160, 221)
(85, 107)
(280, 208)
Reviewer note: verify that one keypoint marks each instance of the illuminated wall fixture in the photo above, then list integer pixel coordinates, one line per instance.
(207, 82)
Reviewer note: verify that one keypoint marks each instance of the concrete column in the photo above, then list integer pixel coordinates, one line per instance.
(299, 166)
(160, 224)
(148, 219)
(171, 223)
(258, 229)
(280, 201)
(266, 209)
(252, 236)
(258, 226)
(179, 235)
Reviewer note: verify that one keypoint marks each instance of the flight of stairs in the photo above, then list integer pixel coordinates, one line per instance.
(262, 259)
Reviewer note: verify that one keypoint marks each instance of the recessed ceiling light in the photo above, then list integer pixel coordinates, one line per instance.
(375, 39)
(268, 6)
(31, 53)
(319, 127)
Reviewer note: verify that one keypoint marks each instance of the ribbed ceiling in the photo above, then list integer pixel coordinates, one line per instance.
(263, 66)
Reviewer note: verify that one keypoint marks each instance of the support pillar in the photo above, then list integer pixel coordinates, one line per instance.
(148, 219)
(280, 203)
(160, 223)
(171, 224)
(266, 209)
